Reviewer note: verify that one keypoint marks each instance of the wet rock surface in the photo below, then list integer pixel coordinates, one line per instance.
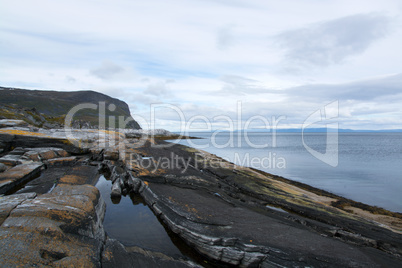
(116, 255)
(62, 227)
(3, 167)
(225, 212)
(233, 216)
(17, 175)
(52, 215)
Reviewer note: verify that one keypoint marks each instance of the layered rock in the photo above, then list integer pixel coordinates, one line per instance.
(54, 214)
(238, 216)
(61, 228)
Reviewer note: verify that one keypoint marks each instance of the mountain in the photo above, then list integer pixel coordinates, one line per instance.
(56, 105)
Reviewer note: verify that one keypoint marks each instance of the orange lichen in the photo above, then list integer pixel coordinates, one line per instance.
(72, 179)
(190, 209)
(22, 132)
(107, 255)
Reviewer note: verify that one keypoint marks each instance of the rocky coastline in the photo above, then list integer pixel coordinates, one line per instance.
(51, 214)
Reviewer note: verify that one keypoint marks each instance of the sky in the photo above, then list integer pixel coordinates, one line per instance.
(215, 64)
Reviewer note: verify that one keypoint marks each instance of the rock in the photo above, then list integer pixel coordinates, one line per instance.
(8, 203)
(54, 175)
(27, 139)
(97, 154)
(133, 183)
(48, 155)
(12, 123)
(18, 175)
(72, 179)
(31, 155)
(222, 213)
(116, 255)
(206, 222)
(133, 135)
(48, 152)
(116, 189)
(17, 151)
(11, 160)
(45, 250)
(3, 167)
(59, 229)
(61, 152)
(111, 154)
(79, 209)
(62, 161)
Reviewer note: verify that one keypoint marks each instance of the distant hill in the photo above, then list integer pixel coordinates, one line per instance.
(323, 130)
(308, 130)
(56, 104)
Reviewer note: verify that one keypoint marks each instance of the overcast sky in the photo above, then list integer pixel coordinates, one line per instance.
(279, 58)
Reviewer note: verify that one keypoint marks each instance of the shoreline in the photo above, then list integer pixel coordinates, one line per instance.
(342, 202)
(223, 212)
(361, 175)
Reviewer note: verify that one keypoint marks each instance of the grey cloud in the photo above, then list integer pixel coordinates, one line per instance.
(361, 90)
(107, 70)
(225, 37)
(70, 79)
(236, 85)
(140, 99)
(331, 42)
(376, 98)
(159, 89)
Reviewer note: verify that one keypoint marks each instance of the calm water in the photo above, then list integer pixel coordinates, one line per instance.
(369, 166)
(133, 223)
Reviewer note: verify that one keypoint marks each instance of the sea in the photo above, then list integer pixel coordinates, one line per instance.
(365, 167)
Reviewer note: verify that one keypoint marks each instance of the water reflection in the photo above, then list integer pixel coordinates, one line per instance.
(130, 221)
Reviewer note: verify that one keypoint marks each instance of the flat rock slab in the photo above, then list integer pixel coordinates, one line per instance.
(62, 161)
(12, 123)
(3, 167)
(8, 203)
(18, 175)
(116, 255)
(54, 175)
(240, 236)
(11, 160)
(73, 206)
(25, 139)
(59, 229)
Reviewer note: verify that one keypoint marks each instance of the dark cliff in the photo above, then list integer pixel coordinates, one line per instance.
(56, 105)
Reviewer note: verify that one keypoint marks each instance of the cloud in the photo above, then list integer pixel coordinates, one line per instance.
(70, 79)
(238, 85)
(331, 42)
(365, 90)
(107, 70)
(217, 51)
(159, 89)
(225, 37)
